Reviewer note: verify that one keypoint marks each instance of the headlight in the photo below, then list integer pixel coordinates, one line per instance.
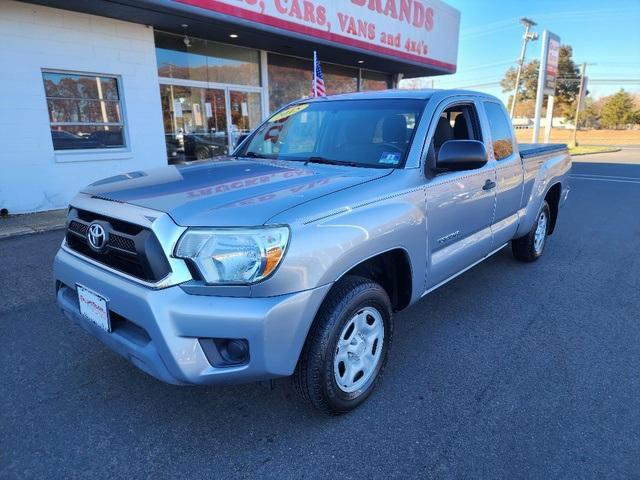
(234, 256)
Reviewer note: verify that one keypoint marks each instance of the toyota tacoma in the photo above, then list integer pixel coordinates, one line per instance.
(291, 256)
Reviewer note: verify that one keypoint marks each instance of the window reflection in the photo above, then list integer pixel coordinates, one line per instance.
(290, 79)
(340, 79)
(195, 122)
(206, 61)
(246, 113)
(84, 111)
(375, 81)
(501, 133)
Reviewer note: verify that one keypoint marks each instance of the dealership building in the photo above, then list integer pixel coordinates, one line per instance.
(95, 88)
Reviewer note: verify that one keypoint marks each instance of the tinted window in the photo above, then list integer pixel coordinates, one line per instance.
(368, 133)
(500, 126)
(84, 110)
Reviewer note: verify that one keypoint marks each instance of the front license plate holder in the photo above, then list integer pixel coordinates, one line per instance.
(94, 307)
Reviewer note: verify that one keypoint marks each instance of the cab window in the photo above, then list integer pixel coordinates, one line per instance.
(458, 122)
(500, 128)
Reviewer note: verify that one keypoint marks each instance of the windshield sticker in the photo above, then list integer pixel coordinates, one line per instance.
(287, 112)
(390, 158)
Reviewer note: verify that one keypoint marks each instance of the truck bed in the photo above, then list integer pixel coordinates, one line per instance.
(533, 149)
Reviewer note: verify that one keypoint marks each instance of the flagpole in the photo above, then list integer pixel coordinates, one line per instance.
(314, 85)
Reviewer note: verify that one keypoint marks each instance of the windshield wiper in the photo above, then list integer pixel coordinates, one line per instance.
(329, 161)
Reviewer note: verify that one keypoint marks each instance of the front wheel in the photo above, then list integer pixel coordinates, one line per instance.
(346, 349)
(530, 247)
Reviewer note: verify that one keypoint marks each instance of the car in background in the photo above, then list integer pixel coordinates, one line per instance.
(108, 138)
(68, 141)
(175, 154)
(202, 146)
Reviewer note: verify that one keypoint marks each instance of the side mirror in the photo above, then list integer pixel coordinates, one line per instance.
(240, 139)
(461, 155)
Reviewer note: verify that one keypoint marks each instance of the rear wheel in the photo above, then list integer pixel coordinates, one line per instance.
(530, 247)
(346, 349)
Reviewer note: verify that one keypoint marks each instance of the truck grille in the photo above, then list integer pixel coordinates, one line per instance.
(130, 248)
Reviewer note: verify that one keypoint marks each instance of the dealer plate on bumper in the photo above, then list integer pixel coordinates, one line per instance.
(93, 307)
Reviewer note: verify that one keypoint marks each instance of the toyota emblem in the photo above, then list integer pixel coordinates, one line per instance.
(97, 236)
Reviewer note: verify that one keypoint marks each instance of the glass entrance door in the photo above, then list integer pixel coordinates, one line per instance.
(195, 122)
(245, 112)
(203, 122)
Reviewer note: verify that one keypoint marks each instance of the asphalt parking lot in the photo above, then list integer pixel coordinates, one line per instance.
(511, 370)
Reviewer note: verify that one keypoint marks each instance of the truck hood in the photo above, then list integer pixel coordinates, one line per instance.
(229, 192)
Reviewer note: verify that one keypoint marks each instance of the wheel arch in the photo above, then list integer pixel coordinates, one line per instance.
(553, 199)
(392, 270)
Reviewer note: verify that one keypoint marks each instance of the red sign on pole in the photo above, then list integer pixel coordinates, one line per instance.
(551, 70)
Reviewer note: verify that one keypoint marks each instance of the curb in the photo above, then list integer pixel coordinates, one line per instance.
(30, 223)
(611, 150)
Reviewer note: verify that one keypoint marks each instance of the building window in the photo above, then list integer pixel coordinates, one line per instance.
(339, 79)
(375, 81)
(206, 61)
(290, 79)
(84, 111)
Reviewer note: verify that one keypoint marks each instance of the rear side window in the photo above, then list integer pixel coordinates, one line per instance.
(501, 135)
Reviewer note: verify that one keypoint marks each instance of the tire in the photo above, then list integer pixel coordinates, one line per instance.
(340, 342)
(531, 247)
(202, 154)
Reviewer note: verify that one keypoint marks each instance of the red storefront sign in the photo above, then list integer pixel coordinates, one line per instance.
(417, 30)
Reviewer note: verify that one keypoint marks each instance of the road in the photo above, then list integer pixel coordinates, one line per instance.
(510, 370)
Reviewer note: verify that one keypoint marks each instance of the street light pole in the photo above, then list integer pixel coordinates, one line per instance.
(579, 104)
(528, 35)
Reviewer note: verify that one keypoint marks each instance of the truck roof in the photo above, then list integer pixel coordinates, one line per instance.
(422, 94)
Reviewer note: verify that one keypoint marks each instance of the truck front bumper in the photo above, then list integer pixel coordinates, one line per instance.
(163, 331)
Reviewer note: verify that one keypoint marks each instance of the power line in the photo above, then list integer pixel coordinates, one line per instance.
(490, 65)
(617, 63)
(618, 13)
(566, 17)
(492, 80)
(497, 83)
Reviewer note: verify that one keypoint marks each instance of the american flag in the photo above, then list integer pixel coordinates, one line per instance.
(317, 85)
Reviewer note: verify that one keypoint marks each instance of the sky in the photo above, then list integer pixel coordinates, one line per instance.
(605, 34)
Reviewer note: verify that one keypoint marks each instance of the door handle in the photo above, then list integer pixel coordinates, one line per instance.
(489, 185)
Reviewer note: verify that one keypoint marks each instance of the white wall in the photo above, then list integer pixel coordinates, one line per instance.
(32, 176)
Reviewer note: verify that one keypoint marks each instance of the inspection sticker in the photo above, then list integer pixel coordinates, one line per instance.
(390, 158)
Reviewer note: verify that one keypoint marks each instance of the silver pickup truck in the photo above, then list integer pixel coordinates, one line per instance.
(291, 256)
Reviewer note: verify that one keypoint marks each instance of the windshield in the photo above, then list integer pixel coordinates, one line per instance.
(363, 133)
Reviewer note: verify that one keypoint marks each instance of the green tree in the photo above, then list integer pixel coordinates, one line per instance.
(590, 114)
(567, 86)
(618, 110)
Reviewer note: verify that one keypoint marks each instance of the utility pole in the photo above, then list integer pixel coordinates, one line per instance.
(579, 104)
(528, 35)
